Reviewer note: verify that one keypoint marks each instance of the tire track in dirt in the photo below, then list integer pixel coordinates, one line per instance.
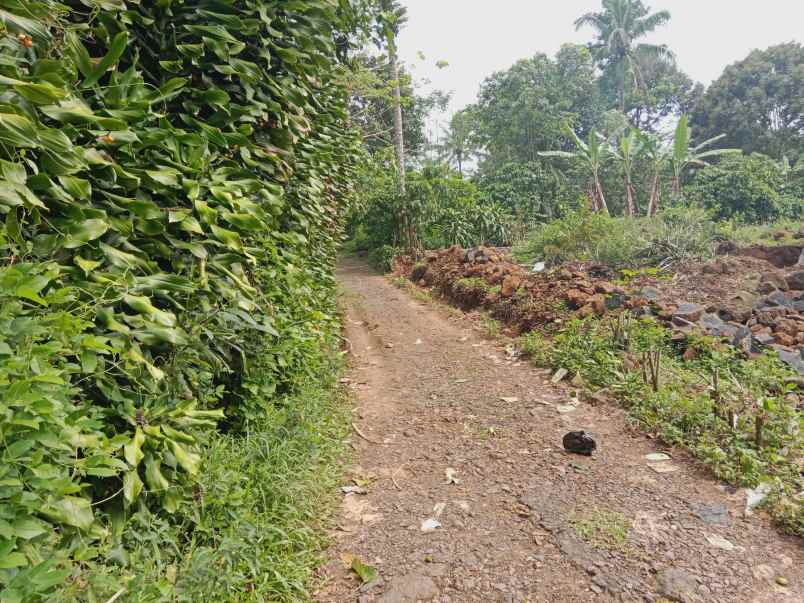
(433, 395)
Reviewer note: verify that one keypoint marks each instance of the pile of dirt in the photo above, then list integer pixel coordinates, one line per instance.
(743, 299)
(523, 300)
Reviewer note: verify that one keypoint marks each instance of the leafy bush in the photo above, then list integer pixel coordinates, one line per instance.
(675, 234)
(749, 189)
(382, 258)
(444, 208)
(171, 183)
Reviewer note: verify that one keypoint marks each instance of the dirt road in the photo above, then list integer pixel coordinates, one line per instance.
(522, 520)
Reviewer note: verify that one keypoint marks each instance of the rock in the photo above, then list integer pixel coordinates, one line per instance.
(713, 514)
(744, 340)
(719, 542)
(782, 581)
(771, 281)
(510, 285)
(587, 311)
(683, 324)
(576, 298)
(796, 280)
(539, 267)
(801, 257)
(606, 287)
(579, 442)
(792, 359)
(615, 301)
(689, 312)
(559, 375)
(779, 298)
(678, 585)
(717, 327)
(598, 303)
(764, 339)
(410, 588)
(649, 293)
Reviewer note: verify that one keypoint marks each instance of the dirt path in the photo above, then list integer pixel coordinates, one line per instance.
(430, 393)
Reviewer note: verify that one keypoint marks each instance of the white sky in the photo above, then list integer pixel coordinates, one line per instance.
(478, 37)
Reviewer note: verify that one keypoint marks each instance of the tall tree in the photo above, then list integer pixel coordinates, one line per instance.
(618, 27)
(758, 103)
(458, 143)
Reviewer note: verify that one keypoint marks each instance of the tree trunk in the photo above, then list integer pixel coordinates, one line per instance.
(459, 157)
(655, 195)
(406, 224)
(601, 199)
(630, 207)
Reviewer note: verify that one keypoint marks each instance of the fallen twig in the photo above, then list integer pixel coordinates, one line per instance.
(117, 595)
(364, 436)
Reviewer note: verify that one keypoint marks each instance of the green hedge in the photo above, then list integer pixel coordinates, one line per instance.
(172, 179)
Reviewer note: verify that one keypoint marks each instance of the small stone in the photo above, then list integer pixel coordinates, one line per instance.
(658, 456)
(678, 585)
(664, 467)
(689, 312)
(719, 542)
(782, 581)
(559, 375)
(649, 293)
(713, 514)
(411, 587)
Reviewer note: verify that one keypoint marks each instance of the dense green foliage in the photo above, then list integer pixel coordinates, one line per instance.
(758, 103)
(172, 178)
(750, 189)
(445, 209)
(672, 235)
(715, 417)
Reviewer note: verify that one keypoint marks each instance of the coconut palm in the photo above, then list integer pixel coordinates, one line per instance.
(685, 155)
(618, 28)
(592, 153)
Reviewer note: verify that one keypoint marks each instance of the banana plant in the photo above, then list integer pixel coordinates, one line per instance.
(658, 154)
(593, 154)
(627, 150)
(685, 156)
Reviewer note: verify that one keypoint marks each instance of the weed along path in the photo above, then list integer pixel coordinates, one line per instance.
(461, 490)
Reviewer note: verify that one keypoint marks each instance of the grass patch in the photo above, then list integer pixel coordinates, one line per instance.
(602, 529)
(778, 233)
(258, 529)
(491, 327)
(741, 423)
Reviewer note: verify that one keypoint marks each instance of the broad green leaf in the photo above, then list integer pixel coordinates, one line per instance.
(132, 486)
(71, 511)
(84, 232)
(116, 50)
(189, 461)
(153, 475)
(133, 450)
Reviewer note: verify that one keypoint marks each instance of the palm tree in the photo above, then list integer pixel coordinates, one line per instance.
(627, 149)
(592, 153)
(457, 144)
(618, 27)
(684, 155)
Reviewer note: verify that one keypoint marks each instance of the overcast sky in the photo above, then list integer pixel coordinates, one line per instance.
(478, 37)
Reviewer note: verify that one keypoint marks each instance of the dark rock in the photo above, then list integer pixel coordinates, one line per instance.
(778, 298)
(717, 327)
(615, 301)
(764, 339)
(791, 358)
(796, 280)
(579, 442)
(678, 585)
(798, 306)
(713, 514)
(689, 312)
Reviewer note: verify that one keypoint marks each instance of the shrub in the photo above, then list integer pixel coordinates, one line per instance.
(749, 189)
(382, 258)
